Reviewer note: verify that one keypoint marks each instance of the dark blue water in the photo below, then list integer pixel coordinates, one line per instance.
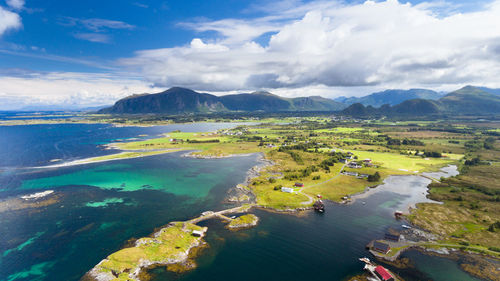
(36, 145)
(102, 205)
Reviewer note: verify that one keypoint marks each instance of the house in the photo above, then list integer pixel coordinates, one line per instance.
(354, 165)
(351, 174)
(381, 247)
(197, 233)
(343, 161)
(368, 160)
(299, 184)
(383, 274)
(394, 236)
(364, 176)
(287, 189)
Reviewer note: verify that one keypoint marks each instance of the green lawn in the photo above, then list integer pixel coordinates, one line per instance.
(404, 162)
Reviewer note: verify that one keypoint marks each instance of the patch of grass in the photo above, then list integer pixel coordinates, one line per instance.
(341, 186)
(168, 246)
(404, 162)
(243, 220)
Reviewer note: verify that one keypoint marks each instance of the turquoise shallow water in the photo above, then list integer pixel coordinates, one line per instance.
(103, 205)
(146, 173)
(93, 218)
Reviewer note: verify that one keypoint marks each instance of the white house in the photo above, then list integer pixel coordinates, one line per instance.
(287, 189)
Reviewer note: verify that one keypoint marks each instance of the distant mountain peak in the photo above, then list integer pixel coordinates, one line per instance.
(264, 93)
(391, 97)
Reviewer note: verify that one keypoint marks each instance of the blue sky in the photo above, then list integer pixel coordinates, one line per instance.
(61, 52)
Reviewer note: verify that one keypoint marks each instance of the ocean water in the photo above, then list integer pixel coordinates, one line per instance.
(103, 205)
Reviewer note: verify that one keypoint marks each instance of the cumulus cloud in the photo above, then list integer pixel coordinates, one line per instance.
(66, 89)
(332, 44)
(8, 20)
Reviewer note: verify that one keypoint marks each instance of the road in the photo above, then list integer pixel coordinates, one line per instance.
(311, 198)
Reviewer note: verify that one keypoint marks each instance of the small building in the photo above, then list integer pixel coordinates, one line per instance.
(383, 274)
(299, 184)
(364, 176)
(398, 214)
(393, 236)
(197, 233)
(381, 247)
(351, 174)
(343, 161)
(354, 165)
(368, 160)
(287, 189)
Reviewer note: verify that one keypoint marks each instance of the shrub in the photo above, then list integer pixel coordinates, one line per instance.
(374, 178)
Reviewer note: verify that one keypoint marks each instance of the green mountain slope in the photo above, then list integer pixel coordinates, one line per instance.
(172, 101)
(471, 100)
(256, 101)
(181, 100)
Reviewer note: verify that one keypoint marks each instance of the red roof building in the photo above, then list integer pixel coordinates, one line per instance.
(383, 274)
(299, 184)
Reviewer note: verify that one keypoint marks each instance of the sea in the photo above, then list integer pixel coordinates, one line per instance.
(102, 206)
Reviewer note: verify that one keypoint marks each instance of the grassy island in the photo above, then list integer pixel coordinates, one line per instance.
(170, 245)
(243, 221)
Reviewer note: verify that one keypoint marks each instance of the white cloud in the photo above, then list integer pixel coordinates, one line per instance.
(326, 45)
(15, 4)
(67, 89)
(8, 20)
(96, 24)
(93, 37)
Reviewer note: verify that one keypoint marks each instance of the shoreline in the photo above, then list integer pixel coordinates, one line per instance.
(91, 161)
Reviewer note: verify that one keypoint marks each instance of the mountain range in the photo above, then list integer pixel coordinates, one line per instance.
(180, 100)
(467, 100)
(391, 97)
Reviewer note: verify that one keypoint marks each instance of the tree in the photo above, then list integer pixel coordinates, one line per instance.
(374, 178)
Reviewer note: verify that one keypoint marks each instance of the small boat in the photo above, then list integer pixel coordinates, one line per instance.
(319, 206)
(405, 226)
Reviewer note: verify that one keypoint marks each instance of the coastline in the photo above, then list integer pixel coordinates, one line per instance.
(113, 157)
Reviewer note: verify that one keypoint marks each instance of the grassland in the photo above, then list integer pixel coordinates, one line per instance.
(470, 215)
(307, 150)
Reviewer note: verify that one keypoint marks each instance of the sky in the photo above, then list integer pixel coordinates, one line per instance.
(91, 53)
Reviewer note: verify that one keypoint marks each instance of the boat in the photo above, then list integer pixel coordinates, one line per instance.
(405, 226)
(319, 206)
